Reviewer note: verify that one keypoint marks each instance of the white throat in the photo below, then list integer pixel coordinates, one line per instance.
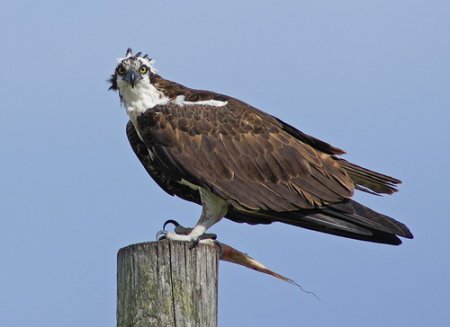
(140, 98)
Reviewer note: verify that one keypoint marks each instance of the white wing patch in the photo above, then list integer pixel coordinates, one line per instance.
(180, 100)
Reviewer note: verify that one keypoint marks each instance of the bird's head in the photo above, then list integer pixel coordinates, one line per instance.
(136, 80)
(132, 70)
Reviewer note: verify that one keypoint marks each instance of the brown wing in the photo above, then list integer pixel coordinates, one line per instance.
(153, 167)
(244, 156)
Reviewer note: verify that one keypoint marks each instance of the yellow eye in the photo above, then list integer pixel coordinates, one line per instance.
(120, 70)
(143, 70)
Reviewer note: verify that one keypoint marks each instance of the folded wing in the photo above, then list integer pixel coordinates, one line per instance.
(244, 156)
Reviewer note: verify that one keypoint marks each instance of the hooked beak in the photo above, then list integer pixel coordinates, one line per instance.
(132, 77)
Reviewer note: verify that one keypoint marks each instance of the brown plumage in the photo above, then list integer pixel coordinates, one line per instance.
(265, 169)
(245, 157)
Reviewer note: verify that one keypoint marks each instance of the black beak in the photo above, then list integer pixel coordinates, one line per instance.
(132, 77)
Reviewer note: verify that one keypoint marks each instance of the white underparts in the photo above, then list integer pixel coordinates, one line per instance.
(141, 97)
(214, 209)
(192, 186)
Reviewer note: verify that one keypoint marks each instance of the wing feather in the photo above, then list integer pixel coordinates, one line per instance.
(244, 156)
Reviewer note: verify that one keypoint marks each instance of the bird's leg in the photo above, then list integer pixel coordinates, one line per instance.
(181, 230)
(194, 234)
(214, 208)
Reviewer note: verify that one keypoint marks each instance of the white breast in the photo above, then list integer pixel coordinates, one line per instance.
(140, 98)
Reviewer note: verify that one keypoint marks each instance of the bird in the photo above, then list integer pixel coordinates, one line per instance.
(241, 163)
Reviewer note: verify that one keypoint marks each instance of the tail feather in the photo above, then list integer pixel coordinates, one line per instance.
(368, 180)
(357, 213)
(348, 219)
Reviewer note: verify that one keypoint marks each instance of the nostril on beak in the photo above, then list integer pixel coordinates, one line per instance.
(132, 77)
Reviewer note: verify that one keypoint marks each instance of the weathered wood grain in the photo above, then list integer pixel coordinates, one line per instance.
(167, 284)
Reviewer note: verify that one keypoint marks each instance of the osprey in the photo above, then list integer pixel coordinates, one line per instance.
(241, 163)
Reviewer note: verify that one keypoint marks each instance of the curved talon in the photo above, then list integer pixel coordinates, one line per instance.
(206, 236)
(161, 235)
(193, 244)
(170, 221)
(181, 230)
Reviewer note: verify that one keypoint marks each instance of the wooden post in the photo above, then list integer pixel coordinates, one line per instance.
(165, 283)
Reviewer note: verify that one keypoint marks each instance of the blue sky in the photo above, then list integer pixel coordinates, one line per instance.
(371, 77)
